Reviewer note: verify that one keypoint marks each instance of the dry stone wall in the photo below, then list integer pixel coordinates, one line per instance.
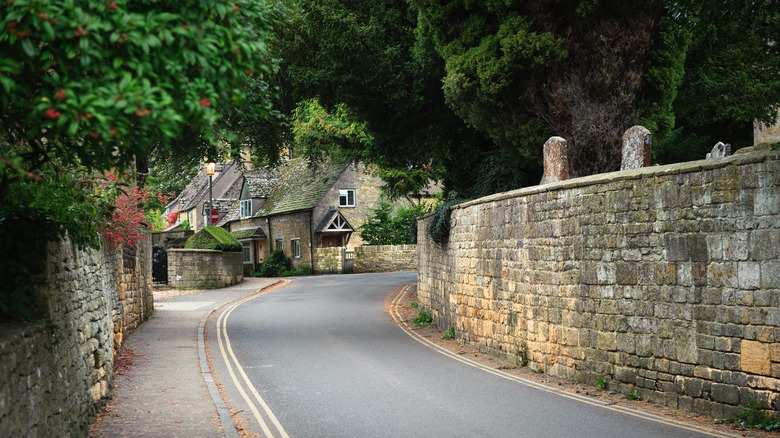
(665, 279)
(55, 372)
(136, 298)
(329, 260)
(204, 268)
(385, 258)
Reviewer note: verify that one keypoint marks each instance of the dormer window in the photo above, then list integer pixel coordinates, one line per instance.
(347, 198)
(246, 208)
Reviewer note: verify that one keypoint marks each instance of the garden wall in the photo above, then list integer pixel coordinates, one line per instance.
(56, 371)
(204, 268)
(329, 260)
(665, 279)
(385, 258)
(374, 258)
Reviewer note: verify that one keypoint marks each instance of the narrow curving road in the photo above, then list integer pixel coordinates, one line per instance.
(320, 357)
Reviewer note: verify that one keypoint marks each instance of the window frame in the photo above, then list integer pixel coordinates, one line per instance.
(295, 248)
(278, 243)
(345, 193)
(247, 249)
(246, 209)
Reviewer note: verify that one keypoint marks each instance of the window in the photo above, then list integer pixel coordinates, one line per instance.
(247, 251)
(278, 243)
(347, 198)
(246, 208)
(296, 248)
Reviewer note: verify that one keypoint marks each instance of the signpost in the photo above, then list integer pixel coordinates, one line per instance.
(214, 217)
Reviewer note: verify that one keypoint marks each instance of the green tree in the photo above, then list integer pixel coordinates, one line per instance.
(468, 92)
(169, 173)
(361, 59)
(384, 226)
(521, 70)
(92, 86)
(336, 133)
(731, 78)
(97, 83)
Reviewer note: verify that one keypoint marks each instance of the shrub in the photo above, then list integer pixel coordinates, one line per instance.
(296, 270)
(23, 234)
(213, 238)
(439, 225)
(276, 264)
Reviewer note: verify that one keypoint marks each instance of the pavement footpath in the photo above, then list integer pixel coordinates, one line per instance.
(163, 387)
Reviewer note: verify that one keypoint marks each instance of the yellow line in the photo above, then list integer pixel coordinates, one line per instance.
(252, 407)
(266, 408)
(647, 416)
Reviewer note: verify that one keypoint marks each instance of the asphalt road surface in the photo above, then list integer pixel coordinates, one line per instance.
(320, 357)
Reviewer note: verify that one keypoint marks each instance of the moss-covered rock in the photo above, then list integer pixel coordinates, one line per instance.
(213, 238)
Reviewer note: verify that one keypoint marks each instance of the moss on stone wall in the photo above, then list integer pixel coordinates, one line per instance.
(213, 238)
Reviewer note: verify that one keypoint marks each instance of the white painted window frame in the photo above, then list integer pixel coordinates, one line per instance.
(246, 208)
(247, 248)
(296, 248)
(344, 200)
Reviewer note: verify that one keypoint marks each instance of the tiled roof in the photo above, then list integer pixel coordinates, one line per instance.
(223, 185)
(232, 214)
(261, 181)
(300, 186)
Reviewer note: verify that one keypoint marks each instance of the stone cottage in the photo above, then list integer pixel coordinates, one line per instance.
(305, 206)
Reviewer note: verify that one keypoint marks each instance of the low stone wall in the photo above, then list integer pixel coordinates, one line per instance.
(664, 279)
(385, 258)
(329, 260)
(56, 371)
(204, 268)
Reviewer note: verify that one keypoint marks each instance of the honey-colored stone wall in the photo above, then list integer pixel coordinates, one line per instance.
(329, 260)
(385, 258)
(766, 133)
(56, 371)
(204, 268)
(665, 279)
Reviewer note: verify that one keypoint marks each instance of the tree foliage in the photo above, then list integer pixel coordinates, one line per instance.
(517, 70)
(97, 83)
(336, 133)
(384, 226)
(731, 78)
(93, 86)
(362, 59)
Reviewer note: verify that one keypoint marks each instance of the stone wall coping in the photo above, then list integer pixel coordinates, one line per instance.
(385, 247)
(739, 158)
(215, 251)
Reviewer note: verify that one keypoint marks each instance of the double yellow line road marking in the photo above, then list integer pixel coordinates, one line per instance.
(243, 384)
(395, 305)
(266, 418)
